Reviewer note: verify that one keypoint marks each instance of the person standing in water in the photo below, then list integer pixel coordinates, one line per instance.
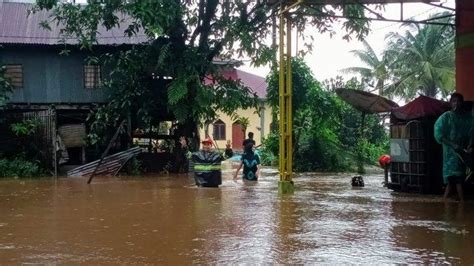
(453, 130)
(228, 149)
(207, 165)
(249, 140)
(250, 161)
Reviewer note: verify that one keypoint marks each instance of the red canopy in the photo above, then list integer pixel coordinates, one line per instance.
(421, 107)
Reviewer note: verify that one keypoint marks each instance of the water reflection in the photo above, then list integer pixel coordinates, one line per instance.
(166, 219)
(434, 231)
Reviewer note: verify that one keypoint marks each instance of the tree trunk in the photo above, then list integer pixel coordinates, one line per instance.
(380, 87)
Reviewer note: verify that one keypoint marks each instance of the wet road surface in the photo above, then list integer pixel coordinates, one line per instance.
(165, 219)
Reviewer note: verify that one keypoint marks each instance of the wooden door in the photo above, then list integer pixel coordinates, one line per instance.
(237, 136)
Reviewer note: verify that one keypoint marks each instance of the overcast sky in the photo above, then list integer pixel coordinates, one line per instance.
(330, 55)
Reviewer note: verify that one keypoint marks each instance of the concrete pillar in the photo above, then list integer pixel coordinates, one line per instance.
(465, 48)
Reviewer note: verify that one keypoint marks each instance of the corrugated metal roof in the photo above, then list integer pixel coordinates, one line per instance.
(256, 83)
(17, 27)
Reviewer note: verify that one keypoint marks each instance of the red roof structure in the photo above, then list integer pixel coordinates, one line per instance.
(20, 26)
(256, 83)
(421, 107)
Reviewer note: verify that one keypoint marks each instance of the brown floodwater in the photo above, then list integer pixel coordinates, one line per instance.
(165, 219)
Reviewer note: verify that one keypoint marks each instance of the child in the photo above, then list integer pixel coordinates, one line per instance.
(250, 161)
(228, 150)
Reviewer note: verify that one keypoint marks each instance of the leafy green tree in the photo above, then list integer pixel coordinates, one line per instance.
(327, 131)
(375, 74)
(422, 60)
(184, 37)
(5, 87)
(316, 116)
(362, 134)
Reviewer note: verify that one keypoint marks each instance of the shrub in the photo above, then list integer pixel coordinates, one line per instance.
(19, 167)
(269, 151)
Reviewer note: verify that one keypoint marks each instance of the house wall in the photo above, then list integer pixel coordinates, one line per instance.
(49, 77)
(259, 124)
(465, 48)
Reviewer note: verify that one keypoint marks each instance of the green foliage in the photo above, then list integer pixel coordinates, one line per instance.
(135, 167)
(129, 87)
(315, 116)
(26, 158)
(375, 75)
(167, 145)
(183, 39)
(365, 141)
(25, 128)
(372, 151)
(326, 131)
(422, 60)
(269, 151)
(321, 154)
(19, 167)
(5, 87)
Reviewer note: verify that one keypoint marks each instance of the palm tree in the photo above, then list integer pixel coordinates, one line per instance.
(375, 73)
(422, 60)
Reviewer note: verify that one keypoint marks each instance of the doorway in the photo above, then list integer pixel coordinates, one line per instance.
(237, 136)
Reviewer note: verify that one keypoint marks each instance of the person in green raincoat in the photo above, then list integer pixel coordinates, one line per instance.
(453, 130)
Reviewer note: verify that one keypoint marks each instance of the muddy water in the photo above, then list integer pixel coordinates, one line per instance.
(164, 219)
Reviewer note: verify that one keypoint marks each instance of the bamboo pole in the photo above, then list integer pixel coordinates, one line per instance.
(106, 151)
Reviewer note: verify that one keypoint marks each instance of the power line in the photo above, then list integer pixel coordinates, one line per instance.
(414, 16)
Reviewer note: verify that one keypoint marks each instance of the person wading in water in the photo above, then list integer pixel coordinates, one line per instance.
(207, 165)
(250, 161)
(228, 149)
(249, 140)
(453, 130)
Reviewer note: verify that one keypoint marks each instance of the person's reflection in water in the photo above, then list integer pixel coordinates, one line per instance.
(454, 239)
(453, 212)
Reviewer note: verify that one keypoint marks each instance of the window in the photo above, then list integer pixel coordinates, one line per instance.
(14, 75)
(219, 130)
(92, 76)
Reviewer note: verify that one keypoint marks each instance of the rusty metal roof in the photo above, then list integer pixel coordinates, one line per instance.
(17, 27)
(255, 83)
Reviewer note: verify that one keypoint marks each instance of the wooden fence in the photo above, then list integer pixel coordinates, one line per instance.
(45, 136)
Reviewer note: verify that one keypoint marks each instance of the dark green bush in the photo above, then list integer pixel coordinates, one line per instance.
(269, 151)
(19, 167)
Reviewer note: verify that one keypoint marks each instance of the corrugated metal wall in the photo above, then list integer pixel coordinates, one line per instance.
(49, 77)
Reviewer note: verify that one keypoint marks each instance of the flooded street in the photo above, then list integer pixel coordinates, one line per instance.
(165, 219)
